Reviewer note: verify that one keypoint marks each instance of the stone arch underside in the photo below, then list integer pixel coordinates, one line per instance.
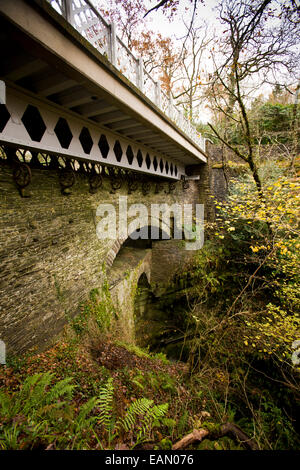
(116, 245)
(138, 268)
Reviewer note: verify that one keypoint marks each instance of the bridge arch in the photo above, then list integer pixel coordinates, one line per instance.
(117, 245)
(130, 278)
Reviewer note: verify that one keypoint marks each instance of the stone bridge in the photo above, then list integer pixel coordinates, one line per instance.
(81, 123)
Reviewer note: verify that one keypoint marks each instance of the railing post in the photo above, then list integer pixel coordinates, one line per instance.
(157, 95)
(113, 44)
(140, 74)
(67, 10)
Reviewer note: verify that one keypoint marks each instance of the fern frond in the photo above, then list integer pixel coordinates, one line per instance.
(82, 419)
(5, 404)
(9, 438)
(153, 414)
(61, 388)
(139, 407)
(33, 393)
(105, 400)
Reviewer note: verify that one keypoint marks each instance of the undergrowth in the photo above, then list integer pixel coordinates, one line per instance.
(69, 397)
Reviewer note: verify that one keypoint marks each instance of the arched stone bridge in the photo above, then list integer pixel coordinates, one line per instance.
(76, 132)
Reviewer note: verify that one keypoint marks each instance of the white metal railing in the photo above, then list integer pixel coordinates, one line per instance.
(84, 17)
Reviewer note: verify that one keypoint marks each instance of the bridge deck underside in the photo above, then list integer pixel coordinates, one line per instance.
(76, 117)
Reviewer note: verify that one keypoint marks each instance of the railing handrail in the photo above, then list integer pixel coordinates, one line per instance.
(172, 111)
(126, 48)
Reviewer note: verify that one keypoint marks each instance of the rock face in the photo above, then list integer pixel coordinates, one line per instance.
(51, 257)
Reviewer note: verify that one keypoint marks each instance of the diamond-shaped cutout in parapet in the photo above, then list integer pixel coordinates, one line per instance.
(118, 151)
(86, 140)
(139, 158)
(103, 146)
(155, 164)
(148, 161)
(129, 155)
(175, 170)
(171, 168)
(161, 165)
(167, 167)
(34, 123)
(4, 117)
(63, 133)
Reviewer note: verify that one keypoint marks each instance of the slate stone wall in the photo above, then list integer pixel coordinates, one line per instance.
(50, 256)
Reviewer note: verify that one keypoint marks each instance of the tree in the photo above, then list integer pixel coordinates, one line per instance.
(192, 71)
(161, 57)
(257, 46)
(127, 15)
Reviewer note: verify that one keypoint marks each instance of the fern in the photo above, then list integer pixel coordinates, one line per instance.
(5, 404)
(152, 418)
(44, 411)
(149, 416)
(138, 407)
(9, 441)
(82, 419)
(142, 411)
(34, 396)
(105, 401)
(61, 388)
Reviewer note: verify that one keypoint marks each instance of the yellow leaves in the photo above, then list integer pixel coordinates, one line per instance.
(255, 249)
(277, 331)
